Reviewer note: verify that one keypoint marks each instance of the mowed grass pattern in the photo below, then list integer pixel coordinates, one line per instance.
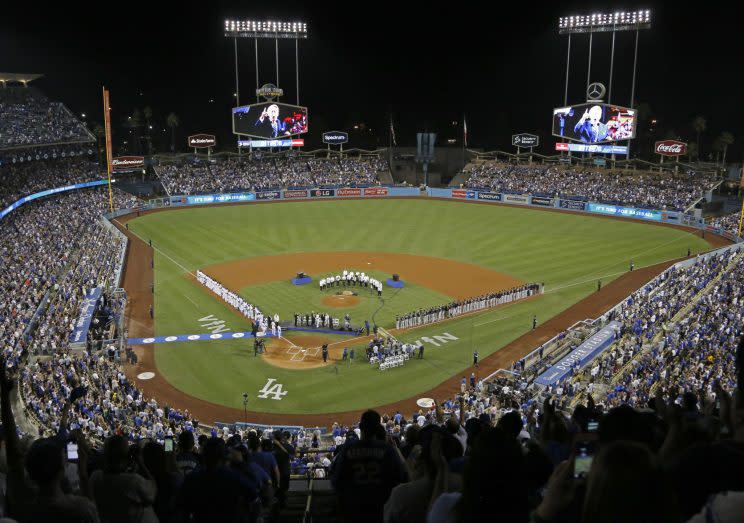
(565, 251)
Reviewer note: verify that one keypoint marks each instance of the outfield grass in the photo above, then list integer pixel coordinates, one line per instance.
(565, 251)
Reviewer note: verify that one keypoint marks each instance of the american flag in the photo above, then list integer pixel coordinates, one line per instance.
(465, 131)
(392, 131)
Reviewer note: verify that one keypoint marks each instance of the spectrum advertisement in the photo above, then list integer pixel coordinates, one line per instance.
(630, 212)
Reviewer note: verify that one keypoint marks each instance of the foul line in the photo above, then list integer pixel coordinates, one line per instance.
(157, 249)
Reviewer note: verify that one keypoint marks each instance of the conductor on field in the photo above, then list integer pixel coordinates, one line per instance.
(325, 353)
(475, 359)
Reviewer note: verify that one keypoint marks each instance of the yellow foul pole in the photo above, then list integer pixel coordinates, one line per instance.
(107, 126)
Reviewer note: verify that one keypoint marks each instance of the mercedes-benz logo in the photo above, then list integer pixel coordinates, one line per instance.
(595, 91)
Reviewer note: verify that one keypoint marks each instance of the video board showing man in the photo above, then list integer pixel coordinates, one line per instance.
(270, 120)
(589, 128)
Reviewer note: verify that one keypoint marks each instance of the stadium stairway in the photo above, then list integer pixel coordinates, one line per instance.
(310, 501)
(385, 177)
(461, 177)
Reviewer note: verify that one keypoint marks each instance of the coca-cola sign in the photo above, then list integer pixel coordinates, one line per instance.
(127, 163)
(199, 141)
(670, 148)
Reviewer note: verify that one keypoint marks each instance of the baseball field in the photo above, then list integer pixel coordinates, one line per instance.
(442, 250)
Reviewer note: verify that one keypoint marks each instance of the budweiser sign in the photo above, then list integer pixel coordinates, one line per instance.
(125, 163)
(671, 148)
(198, 141)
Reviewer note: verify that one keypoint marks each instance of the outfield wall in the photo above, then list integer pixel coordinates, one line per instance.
(472, 195)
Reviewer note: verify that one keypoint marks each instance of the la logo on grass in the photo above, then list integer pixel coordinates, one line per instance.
(271, 390)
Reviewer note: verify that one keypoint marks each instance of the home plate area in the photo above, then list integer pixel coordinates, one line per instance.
(299, 353)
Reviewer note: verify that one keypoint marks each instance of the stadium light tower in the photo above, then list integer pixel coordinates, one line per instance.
(604, 23)
(266, 29)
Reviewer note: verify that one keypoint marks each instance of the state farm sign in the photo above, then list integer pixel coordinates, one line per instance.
(127, 163)
(670, 148)
(199, 141)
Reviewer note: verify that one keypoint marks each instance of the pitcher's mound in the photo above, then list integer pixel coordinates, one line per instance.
(347, 299)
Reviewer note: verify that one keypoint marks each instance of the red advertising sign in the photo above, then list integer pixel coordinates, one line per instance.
(459, 193)
(295, 194)
(127, 163)
(376, 191)
(200, 141)
(560, 146)
(349, 192)
(670, 148)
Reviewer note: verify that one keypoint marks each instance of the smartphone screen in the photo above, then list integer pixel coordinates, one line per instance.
(72, 451)
(168, 444)
(583, 457)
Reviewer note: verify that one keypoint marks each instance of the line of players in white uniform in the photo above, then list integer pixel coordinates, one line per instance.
(351, 279)
(265, 323)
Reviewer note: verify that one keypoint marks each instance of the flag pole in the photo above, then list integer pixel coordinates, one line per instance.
(107, 127)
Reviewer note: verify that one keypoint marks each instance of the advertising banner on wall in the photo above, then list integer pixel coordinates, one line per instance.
(573, 204)
(205, 199)
(375, 191)
(521, 199)
(348, 192)
(295, 193)
(630, 212)
(490, 196)
(545, 202)
(322, 193)
(268, 195)
(463, 193)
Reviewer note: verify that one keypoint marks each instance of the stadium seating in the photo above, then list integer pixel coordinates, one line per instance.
(234, 175)
(649, 190)
(30, 118)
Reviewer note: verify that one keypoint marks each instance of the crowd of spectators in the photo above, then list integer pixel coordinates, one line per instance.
(27, 117)
(58, 248)
(729, 222)
(268, 173)
(22, 179)
(647, 189)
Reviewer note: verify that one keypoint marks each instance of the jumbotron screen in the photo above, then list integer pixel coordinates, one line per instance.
(270, 120)
(594, 123)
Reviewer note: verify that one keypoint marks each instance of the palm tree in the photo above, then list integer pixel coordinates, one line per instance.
(717, 147)
(700, 124)
(726, 139)
(692, 151)
(172, 121)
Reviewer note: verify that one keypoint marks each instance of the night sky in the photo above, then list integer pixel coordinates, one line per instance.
(503, 69)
